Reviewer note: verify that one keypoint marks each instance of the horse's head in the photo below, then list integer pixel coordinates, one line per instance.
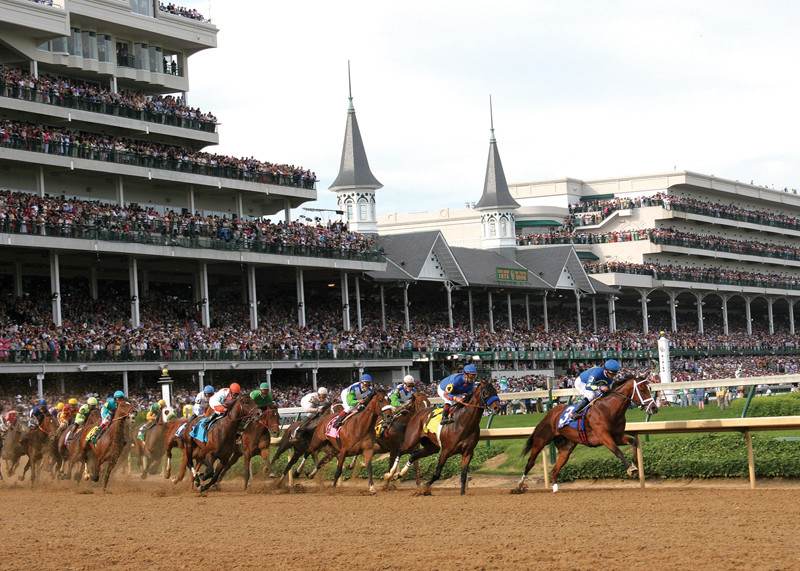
(377, 401)
(488, 396)
(420, 401)
(271, 419)
(125, 408)
(641, 395)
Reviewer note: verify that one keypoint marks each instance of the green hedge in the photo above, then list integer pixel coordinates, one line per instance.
(707, 456)
(779, 405)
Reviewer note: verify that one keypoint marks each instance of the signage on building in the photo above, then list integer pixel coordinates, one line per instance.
(511, 275)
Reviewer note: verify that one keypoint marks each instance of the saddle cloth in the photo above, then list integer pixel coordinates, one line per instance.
(201, 429)
(92, 432)
(181, 429)
(331, 430)
(578, 423)
(434, 423)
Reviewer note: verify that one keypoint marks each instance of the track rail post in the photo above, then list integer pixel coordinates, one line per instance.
(546, 470)
(751, 462)
(640, 462)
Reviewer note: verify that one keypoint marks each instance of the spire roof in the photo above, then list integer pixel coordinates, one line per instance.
(354, 171)
(495, 188)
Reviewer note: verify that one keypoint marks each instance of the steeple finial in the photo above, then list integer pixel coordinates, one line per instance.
(491, 121)
(349, 88)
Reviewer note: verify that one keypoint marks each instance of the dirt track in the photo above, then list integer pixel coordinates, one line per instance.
(153, 525)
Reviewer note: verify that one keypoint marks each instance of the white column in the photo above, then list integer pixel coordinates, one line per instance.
(725, 315)
(383, 310)
(190, 199)
(133, 288)
(700, 327)
(93, 293)
(269, 378)
(471, 320)
(673, 312)
(406, 309)
(205, 302)
(791, 316)
(770, 301)
(594, 314)
(124, 382)
(40, 385)
(200, 380)
(358, 302)
(578, 310)
(239, 204)
(748, 317)
(113, 85)
(544, 313)
(645, 319)
(40, 188)
(491, 312)
(448, 287)
(34, 68)
(287, 211)
(510, 315)
(301, 298)
(120, 187)
(345, 303)
(252, 298)
(528, 312)
(610, 303)
(314, 382)
(55, 288)
(18, 291)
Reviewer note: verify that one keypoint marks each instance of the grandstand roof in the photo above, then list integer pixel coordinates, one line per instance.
(495, 188)
(480, 268)
(409, 253)
(552, 262)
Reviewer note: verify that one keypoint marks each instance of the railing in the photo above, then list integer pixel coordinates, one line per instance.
(51, 3)
(752, 218)
(255, 245)
(91, 152)
(708, 277)
(83, 104)
(24, 356)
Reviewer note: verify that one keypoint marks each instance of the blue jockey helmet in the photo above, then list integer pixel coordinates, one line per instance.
(119, 395)
(111, 403)
(612, 365)
(471, 370)
(42, 402)
(209, 390)
(366, 378)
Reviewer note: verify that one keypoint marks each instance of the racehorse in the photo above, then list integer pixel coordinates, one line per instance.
(220, 447)
(604, 426)
(152, 449)
(12, 449)
(297, 436)
(72, 446)
(34, 442)
(256, 439)
(108, 448)
(461, 435)
(356, 436)
(393, 435)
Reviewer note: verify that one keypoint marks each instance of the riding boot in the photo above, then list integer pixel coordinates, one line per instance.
(446, 415)
(339, 419)
(582, 404)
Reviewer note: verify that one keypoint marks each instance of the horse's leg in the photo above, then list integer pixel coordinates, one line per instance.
(466, 458)
(339, 466)
(107, 472)
(182, 467)
(565, 448)
(607, 440)
(21, 477)
(354, 467)
(329, 454)
(145, 467)
(443, 456)
(539, 439)
(368, 454)
(299, 468)
(417, 478)
(633, 442)
(428, 449)
(292, 460)
(394, 461)
(246, 468)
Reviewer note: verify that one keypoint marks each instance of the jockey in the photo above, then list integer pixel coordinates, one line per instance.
(201, 400)
(8, 421)
(188, 409)
(154, 411)
(262, 396)
(403, 393)
(38, 413)
(83, 412)
(222, 400)
(594, 382)
(353, 398)
(67, 414)
(313, 404)
(107, 412)
(455, 388)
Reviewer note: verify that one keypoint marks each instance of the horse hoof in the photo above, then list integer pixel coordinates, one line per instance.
(521, 489)
(372, 490)
(555, 488)
(632, 471)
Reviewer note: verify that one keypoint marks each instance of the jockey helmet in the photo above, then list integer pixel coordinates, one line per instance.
(162, 403)
(470, 370)
(322, 391)
(612, 366)
(119, 395)
(60, 406)
(209, 390)
(73, 402)
(264, 386)
(12, 415)
(92, 401)
(42, 402)
(409, 380)
(235, 388)
(366, 378)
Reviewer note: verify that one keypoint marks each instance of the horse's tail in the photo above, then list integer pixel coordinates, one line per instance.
(528, 443)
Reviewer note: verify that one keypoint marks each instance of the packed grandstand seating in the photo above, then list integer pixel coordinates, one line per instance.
(177, 10)
(91, 96)
(93, 146)
(25, 213)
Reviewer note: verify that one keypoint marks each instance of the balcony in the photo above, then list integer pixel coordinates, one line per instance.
(39, 15)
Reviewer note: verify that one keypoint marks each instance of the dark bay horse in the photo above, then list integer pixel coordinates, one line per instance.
(605, 426)
(154, 447)
(255, 441)
(34, 443)
(356, 436)
(110, 445)
(297, 437)
(392, 438)
(73, 452)
(216, 453)
(12, 449)
(460, 436)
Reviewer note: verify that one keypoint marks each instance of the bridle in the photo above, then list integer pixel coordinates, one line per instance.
(644, 404)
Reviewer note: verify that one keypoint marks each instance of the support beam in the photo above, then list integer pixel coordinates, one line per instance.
(645, 318)
(239, 205)
(55, 288)
(527, 312)
(40, 385)
(314, 379)
(448, 287)
(120, 188)
(190, 199)
(471, 319)
(345, 302)
(268, 374)
(791, 316)
(406, 308)
(301, 297)
(748, 316)
(358, 303)
(133, 289)
(18, 290)
(252, 296)
(125, 382)
(770, 315)
(700, 318)
(673, 311)
(34, 68)
(287, 211)
(201, 380)
(40, 188)
(594, 314)
(205, 302)
(725, 328)
(751, 461)
(113, 85)
(383, 309)
(578, 310)
(610, 301)
(61, 388)
(491, 312)
(510, 316)
(544, 313)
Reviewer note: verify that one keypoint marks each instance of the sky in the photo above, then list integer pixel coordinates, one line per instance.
(582, 89)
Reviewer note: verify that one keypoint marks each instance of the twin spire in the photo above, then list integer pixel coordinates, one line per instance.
(496, 195)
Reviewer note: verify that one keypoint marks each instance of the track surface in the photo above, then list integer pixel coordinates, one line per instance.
(154, 525)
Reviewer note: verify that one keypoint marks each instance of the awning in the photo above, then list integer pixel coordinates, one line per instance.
(596, 197)
(536, 223)
(591, 256)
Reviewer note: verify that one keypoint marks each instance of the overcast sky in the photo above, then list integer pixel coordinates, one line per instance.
(581, 89)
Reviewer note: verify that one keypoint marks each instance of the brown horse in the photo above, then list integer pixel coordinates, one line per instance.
(216, 453)
(356, 436)
(460, 436)
(297, 437)
(73, 451)
(34, 443)
(392, 437)
(12, 449)
(154, 446)
(110, 445)
(605, 426)
(256, 438)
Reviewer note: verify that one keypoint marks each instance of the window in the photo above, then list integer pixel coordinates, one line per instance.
(362, 209)
(89, 40)
(349, 209)
(74, 44)
(144, 7)
(44, 46)
(124, 56)
(492, 229)
(104, 48)
(503, 228)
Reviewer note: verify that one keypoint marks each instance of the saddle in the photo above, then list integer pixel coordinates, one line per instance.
(201, 429)
(578, 423)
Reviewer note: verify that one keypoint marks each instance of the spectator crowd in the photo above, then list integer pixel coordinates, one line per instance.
(177, 10)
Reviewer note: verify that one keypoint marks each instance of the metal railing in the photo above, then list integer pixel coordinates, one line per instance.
(708, 277)
(153, 238)
(13, 91)
(90, 151)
